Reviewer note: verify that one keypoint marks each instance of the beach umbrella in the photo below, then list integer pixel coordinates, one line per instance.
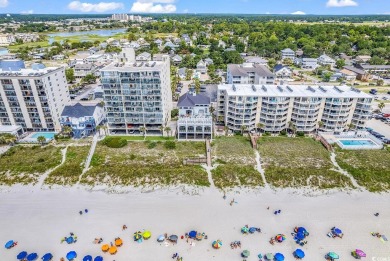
(21, 255)
(244, 230)
(9, 244)
(32, 257)
(300, 236)
(269, 256)
(192, 234)
(47, 257)
(360, 253)
(217, 244)
(137, 236)
(113, 250)
(71, 255)
(280, 237)
(87, 258)
(147, 234)
(105, 247)
(299, 253)
(252, 230)
(279, 257)
(245, 253)
(260, 256)
(98, 258)
(337, 231)
(118, 242)
(173, 237)
(69, 240)
(161, 238)
(301, 230)
(333, 255)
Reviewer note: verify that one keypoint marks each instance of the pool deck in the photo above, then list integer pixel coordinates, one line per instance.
(31, 139)
(363, 136)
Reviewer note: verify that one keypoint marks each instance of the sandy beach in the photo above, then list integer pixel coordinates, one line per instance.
(38, 219)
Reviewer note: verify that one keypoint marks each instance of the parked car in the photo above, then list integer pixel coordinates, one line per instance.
(386, 141)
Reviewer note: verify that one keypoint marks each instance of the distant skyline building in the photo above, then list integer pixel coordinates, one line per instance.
(32, 98)
(126, 17)
(136, 94)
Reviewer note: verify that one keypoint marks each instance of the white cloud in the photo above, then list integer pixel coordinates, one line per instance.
(27, 12)
(98, 7)
(298, 13)
(341, 3)
(153, 6)
(3, 3)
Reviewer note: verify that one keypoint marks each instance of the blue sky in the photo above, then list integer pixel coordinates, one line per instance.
(197, 6)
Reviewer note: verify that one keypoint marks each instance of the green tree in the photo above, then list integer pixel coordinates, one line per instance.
(271, 63)
(320, 124)
(197, 85)
(380, 82)
(41, 140)
(260, 126)
(143, 130)
(89, 78)
(243, 128)
(340, 63)
(381, 105)
(69, 74)
(168, 130)
(67, 130)
(376, 60)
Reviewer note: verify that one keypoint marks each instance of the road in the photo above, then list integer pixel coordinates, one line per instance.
(88, 89)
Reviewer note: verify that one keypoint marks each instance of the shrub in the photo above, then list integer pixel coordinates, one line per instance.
(114, 142)
(152, 145)
(266, 134)
(40, 160)
(170, 145)
(174, 113)
(283, 133)
(300, 134)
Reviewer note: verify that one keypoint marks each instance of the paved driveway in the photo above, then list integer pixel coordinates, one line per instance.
(380, 127)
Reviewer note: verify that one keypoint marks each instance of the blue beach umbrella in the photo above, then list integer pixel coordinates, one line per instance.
(192, 234)
(71, 255)
(87, 258)
(21, 255)
(47, 257)
(300, 235)
(279, 257)
(98, 258)
(9, 244)
(301, 230)
(32, 257)
(299, 253)
(252, 230)
(337, 231)
(69, 240)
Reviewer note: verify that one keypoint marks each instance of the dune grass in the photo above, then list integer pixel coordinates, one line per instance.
(69, 172)
(297, 162)
(24, 164)
(139, 164)
(236, 149)
(236, 175)
(370, 168)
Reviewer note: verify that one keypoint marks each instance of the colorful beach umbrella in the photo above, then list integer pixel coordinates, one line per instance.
(360, 253)
(47, 257)
(87, 258)
(161, 238)
(71, 255)
(21, 255)
(137, 236)
(217, 244)
(279, 257)
(98, 258)
(192, 234)
(333, 255)
(337, 231)
(244, 230)
(299, 253)
(118, 242)
(32, 257)
(245, 253)
(9, 244)
(147, 234)
(113, 250)
(269, 256)
(105, 247)
(280, 237)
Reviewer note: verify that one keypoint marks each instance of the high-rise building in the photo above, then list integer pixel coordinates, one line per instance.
(32, 98)
(274, 108)
(137, 95)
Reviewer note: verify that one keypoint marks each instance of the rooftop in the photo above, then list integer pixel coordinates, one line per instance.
(190, 100)
(293, 91)
(78, 110)
(135, 67)
(244, 69)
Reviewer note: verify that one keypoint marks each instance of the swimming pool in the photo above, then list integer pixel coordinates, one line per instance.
(47, 135)
(357, 142)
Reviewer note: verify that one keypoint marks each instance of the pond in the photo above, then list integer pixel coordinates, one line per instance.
(103, 32)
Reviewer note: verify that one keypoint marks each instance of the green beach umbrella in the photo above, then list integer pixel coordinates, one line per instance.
(245, 253)
(269, 256)
(333, 255)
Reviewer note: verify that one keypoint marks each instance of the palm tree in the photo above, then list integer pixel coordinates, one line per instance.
(162, 130)
(168, 130)
(260, 126)
(292, 126)
(320, 124)
(381, 105)
(41, 139)
(220, 118)
(67, 130)
(143, 129)
(226, 129)
(350, 126)
(243, 128)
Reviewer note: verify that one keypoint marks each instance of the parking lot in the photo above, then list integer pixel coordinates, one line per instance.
(380, 127)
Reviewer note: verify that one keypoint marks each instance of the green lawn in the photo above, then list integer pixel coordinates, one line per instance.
(69, 172)
(139, 164)
(370, 168)
(14, 48)
(130, 138)
(24, 164)
(158, 138)
(297, 162)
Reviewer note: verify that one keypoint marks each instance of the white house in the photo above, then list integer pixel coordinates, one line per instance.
(144, 57)
(201, 67)
(326, 60)
(282, 72)
(307, 63)
(288, 54)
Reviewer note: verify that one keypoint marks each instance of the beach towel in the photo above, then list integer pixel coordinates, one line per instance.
(383, 238)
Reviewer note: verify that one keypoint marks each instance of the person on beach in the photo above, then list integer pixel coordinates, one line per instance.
(86, 210)
(124, 227)
(267, 208)
(80, 212)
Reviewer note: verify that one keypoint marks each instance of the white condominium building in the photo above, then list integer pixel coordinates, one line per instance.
(274, 108)
(32, 98)
(249, 73)
(137, 94)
